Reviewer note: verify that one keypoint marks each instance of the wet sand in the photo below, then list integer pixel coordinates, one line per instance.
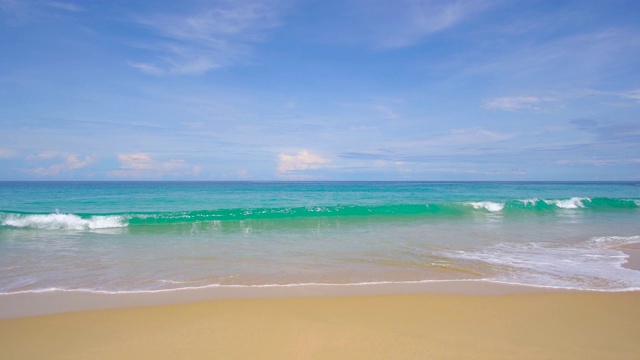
(43, 303)
(571, 325)
(633, 261)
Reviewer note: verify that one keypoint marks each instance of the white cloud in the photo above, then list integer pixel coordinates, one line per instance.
(140, 165)
(208, 38)
(599, 161)
(387, 112)
(136, 161)
(534, 103)
(433, 16)
(384, 108)
(243, 174)
(405, 22)
(72, 162)
(46, 155)
(69, 162)
(633, 94)
(473, 136)
(303, 160)
(517, 103)
(7, 153)
(65, 6)
(146, 68)
(21, 12)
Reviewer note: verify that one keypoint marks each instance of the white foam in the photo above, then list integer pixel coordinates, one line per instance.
(487, 205)
(255, 286)
(606, 242)
(173, 281)
(530, 202)
(313, 284)
(593, 264)
(573, 203)
(63, 222)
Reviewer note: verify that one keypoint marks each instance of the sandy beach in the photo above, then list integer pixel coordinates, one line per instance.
(250, 179)
(570, 325)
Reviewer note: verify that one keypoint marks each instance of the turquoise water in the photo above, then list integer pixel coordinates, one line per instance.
(148, 236)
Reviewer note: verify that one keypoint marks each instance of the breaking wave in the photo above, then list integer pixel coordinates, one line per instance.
(58, 221)
(70, 221)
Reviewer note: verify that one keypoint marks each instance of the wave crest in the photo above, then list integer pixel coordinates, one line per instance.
(573, 203)
(57, 221)
(487, 205)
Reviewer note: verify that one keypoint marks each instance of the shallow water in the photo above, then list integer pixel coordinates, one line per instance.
(145, 236)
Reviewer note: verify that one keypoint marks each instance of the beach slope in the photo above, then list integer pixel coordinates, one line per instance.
(577, 325)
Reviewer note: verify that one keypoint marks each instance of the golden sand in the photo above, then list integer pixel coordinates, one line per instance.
(515, 326)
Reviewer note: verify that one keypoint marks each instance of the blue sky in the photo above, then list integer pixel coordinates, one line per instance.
(319, 90)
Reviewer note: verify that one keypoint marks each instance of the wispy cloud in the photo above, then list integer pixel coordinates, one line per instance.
(453, 146)
(579, 59)
(518, 103)
(20, 12)
(9, 6)
(136, 161)
(454, 142)
(16, 11)
(207, 38)
(143, 165)
(383, 109)
(46, 155)
(610, 131)
(470, 136)
(598, 161)
(65, 6)
(387, 112)
(403, 23)
(633, 95)
(303, 160)
(147, 68)
(7, 153)
(69, 162)
(536, 103)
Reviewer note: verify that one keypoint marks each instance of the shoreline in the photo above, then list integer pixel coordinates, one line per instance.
(55, 301)
(27, 304)
(535, 325)
(461, 319)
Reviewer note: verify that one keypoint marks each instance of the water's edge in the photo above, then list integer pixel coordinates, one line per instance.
(26, 304)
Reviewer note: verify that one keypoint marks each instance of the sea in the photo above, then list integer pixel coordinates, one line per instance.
(131, 237)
